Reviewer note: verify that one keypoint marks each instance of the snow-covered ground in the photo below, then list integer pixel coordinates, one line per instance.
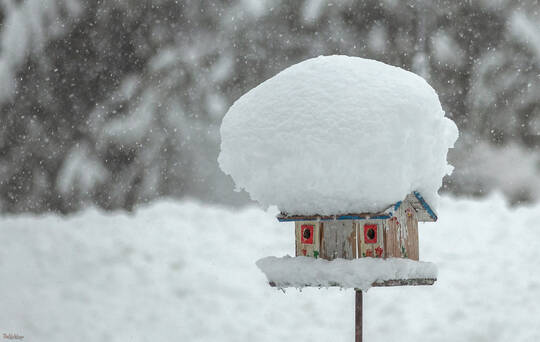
(186, 272)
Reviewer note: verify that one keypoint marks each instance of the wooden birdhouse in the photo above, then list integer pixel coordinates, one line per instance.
(391, 233)
(317, 110)
(374, 249)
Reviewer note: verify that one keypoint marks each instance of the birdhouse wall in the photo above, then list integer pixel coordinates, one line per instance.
(338, 239)
(401, 233)
(346, 239)
(371, 238)
(395, 237)
(308, 238)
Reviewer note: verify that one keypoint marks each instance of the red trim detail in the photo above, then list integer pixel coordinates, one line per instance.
(367, 227)
(309, 240)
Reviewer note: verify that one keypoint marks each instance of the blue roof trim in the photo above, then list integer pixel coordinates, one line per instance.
(425, 205)
(387, 214)
(344, 217)
(280, 219)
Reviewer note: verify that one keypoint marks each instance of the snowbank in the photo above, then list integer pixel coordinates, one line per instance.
(358, 273)
(335, 135)
(185, 272)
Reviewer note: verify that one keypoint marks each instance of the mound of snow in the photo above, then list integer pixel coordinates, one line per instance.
(179, 271)
(337, 134)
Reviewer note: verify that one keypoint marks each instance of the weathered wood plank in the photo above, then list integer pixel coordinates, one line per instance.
(352, 241)
(321, 236)
(385, 283)
(307, 249)
(412, 234)
(403, 233)
(339, 240)
(392, 238)
(297, 239)
(406, 282)
(352, 216)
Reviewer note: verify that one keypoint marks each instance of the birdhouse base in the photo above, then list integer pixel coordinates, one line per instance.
(385, 283)
(360, 274)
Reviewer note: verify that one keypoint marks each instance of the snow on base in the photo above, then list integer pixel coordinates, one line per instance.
(337, 135)
(357, 273)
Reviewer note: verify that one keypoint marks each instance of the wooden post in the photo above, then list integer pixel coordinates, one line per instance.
(358, 316)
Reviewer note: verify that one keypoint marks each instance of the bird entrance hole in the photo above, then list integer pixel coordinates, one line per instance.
(370, 233)
(307, 234)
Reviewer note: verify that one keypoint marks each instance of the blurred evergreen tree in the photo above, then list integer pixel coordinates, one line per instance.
(119, 102)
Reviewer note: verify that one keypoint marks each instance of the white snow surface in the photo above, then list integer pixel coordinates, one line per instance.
(180, 271)
(336, 135)
(361, 273)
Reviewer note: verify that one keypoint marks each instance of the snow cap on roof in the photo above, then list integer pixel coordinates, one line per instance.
(336, 135)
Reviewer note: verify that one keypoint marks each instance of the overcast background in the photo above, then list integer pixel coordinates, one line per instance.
(116, 103)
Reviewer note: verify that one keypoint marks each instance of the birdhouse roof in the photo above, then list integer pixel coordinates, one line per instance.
(415, 199)
(423, 210)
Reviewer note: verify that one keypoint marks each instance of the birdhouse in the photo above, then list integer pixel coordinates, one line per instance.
(391, 233)
(384, 130)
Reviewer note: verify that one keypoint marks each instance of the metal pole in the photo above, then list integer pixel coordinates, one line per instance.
(358, 316)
